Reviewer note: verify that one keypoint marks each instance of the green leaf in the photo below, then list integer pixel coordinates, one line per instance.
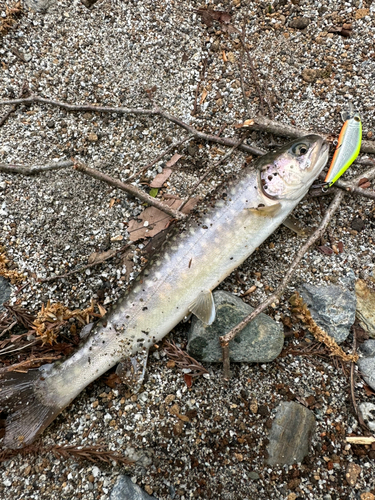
(154, 192)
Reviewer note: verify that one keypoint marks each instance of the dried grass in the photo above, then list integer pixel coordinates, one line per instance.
(301, 311)
(11, 274)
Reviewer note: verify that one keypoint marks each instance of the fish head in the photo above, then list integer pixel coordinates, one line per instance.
(289, 172)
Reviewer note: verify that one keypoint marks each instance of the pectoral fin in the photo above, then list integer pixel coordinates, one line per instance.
(204, 307)
(266, 210)
(295, 225)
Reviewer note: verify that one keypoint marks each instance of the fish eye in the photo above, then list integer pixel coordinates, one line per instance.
(300, 149)
(357, 118)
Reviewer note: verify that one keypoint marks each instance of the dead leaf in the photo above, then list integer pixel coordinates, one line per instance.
(102, 310)
(173, 160)
(188, 379)
(98, 257)
(161, 178)
(225, 59)
(152, 220)
(113, 380)
(203, 96)
(112, 202)
(209, 16)
(340, 246)
(325, 250)
(368, 390)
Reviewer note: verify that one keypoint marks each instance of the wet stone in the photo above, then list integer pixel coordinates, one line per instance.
(332, 307)
(291, 434)
(368, 348)
(367, 411)
(125, 489)
(259, 342)
(367, 368)
(4, 292)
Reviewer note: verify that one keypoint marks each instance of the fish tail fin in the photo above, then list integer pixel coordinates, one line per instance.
(27, 415)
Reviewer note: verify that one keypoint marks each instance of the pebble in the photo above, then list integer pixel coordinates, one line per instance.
(125, 489)
(291, 433)
(259, 342)
(367, 411)
(332, 307)
(352, 473)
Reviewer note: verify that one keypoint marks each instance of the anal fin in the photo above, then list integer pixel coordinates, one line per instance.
(203, 307)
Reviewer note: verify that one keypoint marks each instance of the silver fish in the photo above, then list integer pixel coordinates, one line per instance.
(178, 281)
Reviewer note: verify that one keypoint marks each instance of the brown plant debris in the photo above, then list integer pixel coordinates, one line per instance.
(11, 274)
(53, 316)
(183, 361)
(301, 311)
(11, 14)
(21, 315)
(94, 453)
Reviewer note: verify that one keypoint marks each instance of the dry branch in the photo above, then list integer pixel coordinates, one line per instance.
(154, 111)
(273, 127)
(224, 340)
(35, 169)
(130, 189)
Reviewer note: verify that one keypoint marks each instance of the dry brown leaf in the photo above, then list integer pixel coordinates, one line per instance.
(161, 178)
(102, 310)
(112, 202)
(155, 219)
(225, 59)
(173, 160)
(203, 96)
(98, 257)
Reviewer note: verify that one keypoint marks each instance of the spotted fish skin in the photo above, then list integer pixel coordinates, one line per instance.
(347, 149)
(193, 261)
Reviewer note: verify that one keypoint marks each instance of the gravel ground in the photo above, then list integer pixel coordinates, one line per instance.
(51, 223)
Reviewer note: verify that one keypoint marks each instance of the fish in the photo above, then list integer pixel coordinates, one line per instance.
(177, 281)
(348, 146)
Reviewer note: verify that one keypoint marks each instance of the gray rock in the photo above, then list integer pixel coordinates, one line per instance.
(291, 434)
(4, 292)
(125, 489)
(367, 368)
(261, 340)
(332, 307)
(367, 411)
(368, 348)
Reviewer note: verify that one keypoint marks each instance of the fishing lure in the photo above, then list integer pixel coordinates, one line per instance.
(347, 149)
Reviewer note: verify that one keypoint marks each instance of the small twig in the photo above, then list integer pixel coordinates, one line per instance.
(35, 169)
(86, 266)
(8, 349)
(266, 125)
(183, 360)
(14, 107)
(210, 169)
(130, 189)
(352, 384)
(149, 165)
(8, 328)
(244, 96)
(155, 111)
(201, 76)
(224, 340)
